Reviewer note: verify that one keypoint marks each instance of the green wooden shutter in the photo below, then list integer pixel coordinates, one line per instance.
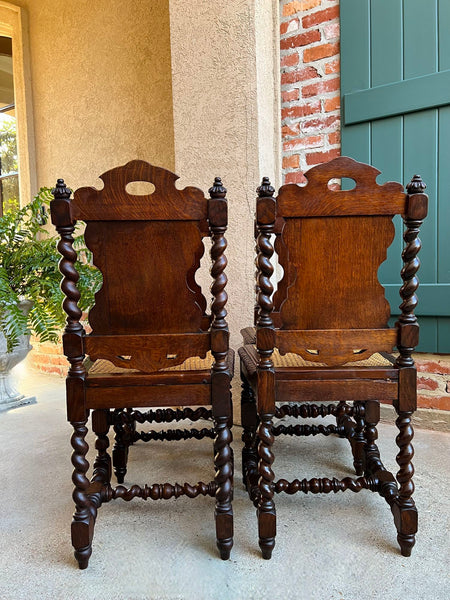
(395, 86)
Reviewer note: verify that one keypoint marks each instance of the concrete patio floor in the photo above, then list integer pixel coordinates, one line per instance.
(335, 547)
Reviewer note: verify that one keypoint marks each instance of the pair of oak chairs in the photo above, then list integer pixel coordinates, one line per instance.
(323, 335)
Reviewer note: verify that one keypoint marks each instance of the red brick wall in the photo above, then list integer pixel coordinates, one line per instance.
(310, 113)
(433, 380)
(309, 45)
(48, 358)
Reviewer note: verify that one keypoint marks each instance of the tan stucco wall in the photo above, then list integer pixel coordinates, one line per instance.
(226, 119)
(196, 93)
(101, 86)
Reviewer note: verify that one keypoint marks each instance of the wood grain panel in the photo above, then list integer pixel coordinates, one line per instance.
(164, 395)
(335, 391)
(160, 259)
(123, 380)
(336, 347)
(148, 353)
(344, 292)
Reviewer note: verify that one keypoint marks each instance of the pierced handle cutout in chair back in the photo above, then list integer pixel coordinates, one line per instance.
(115, 202)
(316, 198)
(148, 247)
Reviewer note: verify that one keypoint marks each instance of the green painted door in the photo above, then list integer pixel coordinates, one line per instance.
(395, 87)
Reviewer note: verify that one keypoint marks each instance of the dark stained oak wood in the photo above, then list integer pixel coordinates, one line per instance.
(336, 373)
(137, 379)
(149, 315)
(113, 202)
(334, 391)
(324, 251)
(316, 199)
(161, 395)
(336, 347)
(404, 509)
(330, 311)
(174, 306)
(147, 353)
(102, 465)
(73, 336)
(220, 373)
(265, 372)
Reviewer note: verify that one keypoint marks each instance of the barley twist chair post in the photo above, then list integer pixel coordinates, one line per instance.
(220, 374)
(404, 510)
(265, 373)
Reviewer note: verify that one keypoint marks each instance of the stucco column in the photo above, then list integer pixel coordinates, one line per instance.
(225, 101)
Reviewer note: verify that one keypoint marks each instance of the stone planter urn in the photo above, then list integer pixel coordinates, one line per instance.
(10, 397)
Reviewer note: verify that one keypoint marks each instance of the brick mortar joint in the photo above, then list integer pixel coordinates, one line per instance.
(302, 31)
(306, 12)
(435, 382)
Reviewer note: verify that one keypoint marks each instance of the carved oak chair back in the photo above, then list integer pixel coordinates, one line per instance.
(149, 317)
(331, 245)
(148, 248)
(323, 333)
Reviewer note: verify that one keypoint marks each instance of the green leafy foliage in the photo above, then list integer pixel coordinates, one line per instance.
(8, 160)
(29, 270)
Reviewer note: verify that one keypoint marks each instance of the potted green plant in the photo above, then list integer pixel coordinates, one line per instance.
(30, 294)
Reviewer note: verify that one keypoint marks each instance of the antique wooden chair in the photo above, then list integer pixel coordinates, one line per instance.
(323, 333)
(152, 342)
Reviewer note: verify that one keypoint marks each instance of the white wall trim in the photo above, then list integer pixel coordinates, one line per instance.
(13, 23)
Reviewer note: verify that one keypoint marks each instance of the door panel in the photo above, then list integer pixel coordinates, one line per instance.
(395, 83)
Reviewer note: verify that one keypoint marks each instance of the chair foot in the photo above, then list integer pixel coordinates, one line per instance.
(82, 556)
(357, 447)
(223, 462)
(405, 519)
(82, 528)
(224, 547)
(406, 543)
(267, 547)
(359, 470)
(267, 520)
(267, 532)
(404, 509)
(224, 532)
(359, 463)
(82, 535)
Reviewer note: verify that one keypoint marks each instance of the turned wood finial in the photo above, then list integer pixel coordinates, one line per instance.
(416, 185)
(60, 206)
(61, 191)
(265, 190)
(217, 190)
